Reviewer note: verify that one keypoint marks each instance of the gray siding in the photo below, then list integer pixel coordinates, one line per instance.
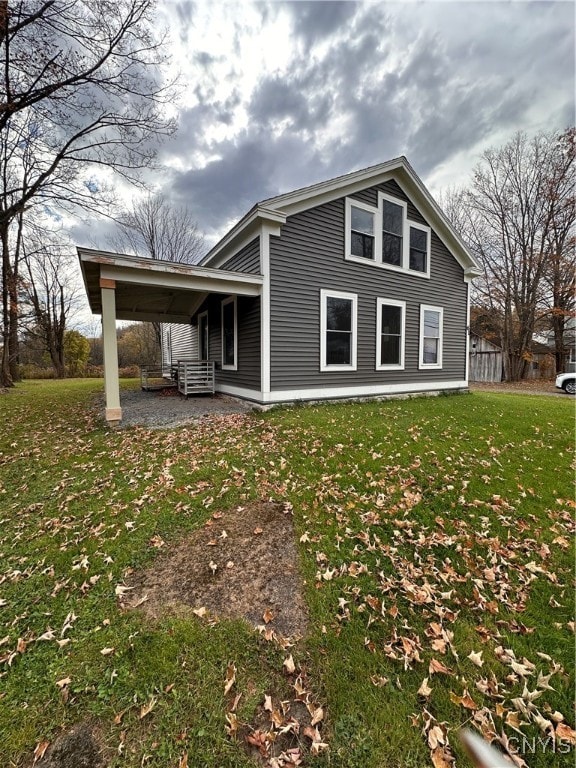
(248, 314)
(179, 342)
(246, 260)
(309, 256)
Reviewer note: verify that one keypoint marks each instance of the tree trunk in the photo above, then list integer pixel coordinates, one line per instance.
(6, 379)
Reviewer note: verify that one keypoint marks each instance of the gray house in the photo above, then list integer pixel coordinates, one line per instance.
(353, 287)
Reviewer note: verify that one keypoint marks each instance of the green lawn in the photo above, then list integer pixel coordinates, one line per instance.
(436, 545)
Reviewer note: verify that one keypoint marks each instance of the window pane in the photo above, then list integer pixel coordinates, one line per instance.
(431, 323)
(338, 348)
(362, 245)
(390, 350)
(362, 221)
(418, 249)
(228, 330)
(418, 239)
(430, 350)
(392, 218)
(391, 249)
(417, 260)
(338, 314)
(391, 319)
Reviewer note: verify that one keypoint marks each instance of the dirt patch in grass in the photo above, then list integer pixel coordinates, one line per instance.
(79, 747)
(243, 563)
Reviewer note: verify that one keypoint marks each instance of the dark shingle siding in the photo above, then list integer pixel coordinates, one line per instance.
(309, 256)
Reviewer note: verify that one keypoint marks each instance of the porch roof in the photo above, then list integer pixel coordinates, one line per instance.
(158, 291)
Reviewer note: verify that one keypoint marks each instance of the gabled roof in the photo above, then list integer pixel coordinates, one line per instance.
(276, 209)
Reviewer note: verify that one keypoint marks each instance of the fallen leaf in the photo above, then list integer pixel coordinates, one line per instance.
(40, 750)
(230, 677)
(147, 708)
(436, 667)
(64, 682)
(424, 689)
(107, 651)
(565, 733)
(476, 658)
(289, 665)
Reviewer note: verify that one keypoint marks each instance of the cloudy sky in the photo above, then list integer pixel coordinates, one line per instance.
(278, 95)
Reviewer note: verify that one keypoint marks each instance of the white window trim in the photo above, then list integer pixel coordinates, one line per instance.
(228, 367)
(390, 303)
(421, 364)
(422, 228)
(352, 203)
(353, 297)
(198, 320)
(406, 224)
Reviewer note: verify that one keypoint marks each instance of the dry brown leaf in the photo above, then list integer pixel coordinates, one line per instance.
(436, 667)
(424, 689)
(40, 750)
(476, 658)
(565, 733)
(107, 651)
(289, 665)
(268, 615)
(64, 682)
(441, 757)
(230, 677)
(145, 709)
(183, 762)
(200, 612)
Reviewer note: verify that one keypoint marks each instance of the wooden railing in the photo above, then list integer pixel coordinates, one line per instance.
(154, 377)
(194, 376)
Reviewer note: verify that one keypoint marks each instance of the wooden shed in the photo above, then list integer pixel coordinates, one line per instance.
(485, 360)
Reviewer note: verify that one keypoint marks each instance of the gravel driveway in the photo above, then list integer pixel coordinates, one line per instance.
(167, 408)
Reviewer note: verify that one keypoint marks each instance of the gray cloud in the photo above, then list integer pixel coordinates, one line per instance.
(434, 81)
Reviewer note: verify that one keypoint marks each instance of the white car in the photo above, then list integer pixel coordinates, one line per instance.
(567, 382)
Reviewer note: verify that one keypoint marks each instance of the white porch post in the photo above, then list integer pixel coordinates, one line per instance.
(111, 381)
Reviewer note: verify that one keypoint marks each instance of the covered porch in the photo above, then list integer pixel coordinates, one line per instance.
(121, 287)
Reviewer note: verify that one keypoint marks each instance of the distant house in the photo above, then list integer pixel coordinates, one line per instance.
(353, 287)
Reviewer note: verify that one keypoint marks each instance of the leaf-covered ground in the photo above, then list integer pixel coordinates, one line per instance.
(436, 549)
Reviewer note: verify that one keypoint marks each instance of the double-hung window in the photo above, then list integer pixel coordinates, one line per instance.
(385, 236)
(229, 334)
(390, 334)
(392, 233)
(338, 326)
(431, 333)
(361, 230)
(419, 239)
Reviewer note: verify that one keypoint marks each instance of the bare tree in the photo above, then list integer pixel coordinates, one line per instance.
(52, 299)
(560, 273)
(517, 217)
(156, 228)
(81, 90)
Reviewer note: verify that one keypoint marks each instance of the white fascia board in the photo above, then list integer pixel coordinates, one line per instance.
(243, 233)
(398, 170)
(207, 281)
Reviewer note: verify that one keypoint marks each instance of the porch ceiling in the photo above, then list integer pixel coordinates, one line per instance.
(159, 291)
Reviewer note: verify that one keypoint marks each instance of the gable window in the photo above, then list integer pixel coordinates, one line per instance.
(385, 237)
(418, 249)
(392, 232)
(361, 230)
(431, 331)
(229, 335)
(390, 332)
(203, 335)
(338, 323)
